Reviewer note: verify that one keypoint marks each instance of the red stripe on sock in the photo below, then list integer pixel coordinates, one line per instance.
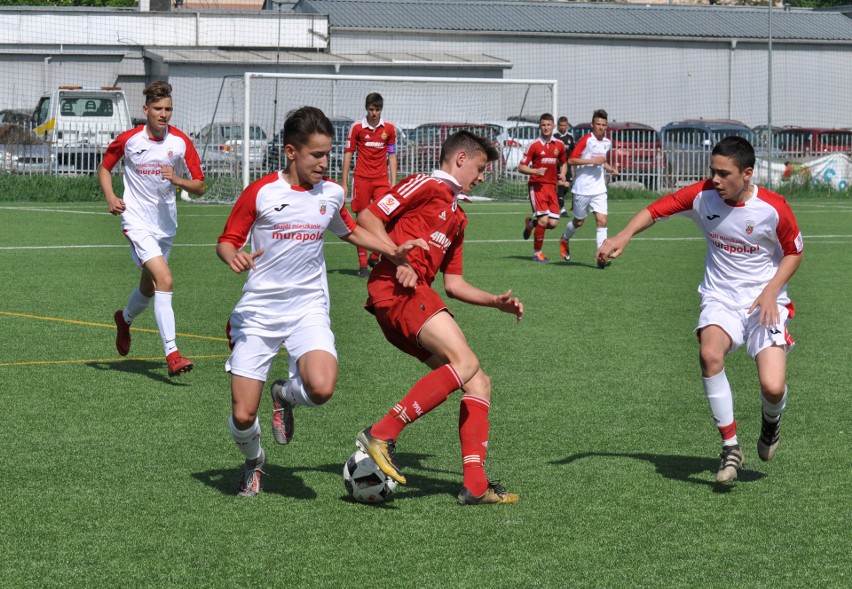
(728, 431)
(426, 394)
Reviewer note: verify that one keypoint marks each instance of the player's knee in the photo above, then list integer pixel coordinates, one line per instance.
(320, 390)
(773, 391)
(466, 367)
(712, 362)
(578, 222)
(552, 223)
(164, 283)
(244, 418)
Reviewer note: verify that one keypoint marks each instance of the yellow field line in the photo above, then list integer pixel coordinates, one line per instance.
(110, 326)
(44, 362)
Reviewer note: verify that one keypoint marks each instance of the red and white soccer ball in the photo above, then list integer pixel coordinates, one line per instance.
(364, 480)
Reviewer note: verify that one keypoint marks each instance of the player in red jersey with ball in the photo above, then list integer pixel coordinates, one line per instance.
(418, 322)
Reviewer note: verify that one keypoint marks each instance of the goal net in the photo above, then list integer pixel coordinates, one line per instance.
(424, 110)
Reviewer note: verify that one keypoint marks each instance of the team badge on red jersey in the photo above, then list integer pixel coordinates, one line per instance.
(322, 206)
(749, 227)
(384, 135)
(388, 204)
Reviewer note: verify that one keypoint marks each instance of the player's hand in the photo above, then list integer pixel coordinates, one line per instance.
(116, 205)
(406, 276)
(168, 173)
(598, 160)
(244, 261)
(610, 248)
(509, 304)
(540, 171)
(614, 171)
(768, 303)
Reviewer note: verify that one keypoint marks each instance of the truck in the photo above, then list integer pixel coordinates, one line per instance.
(79, 123)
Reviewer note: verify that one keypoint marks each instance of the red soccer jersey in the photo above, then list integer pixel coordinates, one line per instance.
(426, 207)
(373, 145)
(549, 155)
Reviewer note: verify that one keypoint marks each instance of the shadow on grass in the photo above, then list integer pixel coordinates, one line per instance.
(282, 480)
(679, 468)
(346, 272)
(155, 370)
(555, 261)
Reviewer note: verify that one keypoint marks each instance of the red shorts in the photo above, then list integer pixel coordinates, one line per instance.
(402, 317)
(366, 190)
(543, 200)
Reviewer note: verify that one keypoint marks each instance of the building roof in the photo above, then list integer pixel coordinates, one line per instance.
(575, 19)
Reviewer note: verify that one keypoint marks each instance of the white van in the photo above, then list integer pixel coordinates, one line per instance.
(79, 123)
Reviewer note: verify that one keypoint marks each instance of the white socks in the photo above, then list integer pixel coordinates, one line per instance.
(570, 229)
(772, 411)
(136, 304)
(600, 236)
(295, 392)
(248, 441)
(721, 400)
(165, 320)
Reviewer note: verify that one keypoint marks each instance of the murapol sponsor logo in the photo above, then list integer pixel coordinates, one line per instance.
(297, 236)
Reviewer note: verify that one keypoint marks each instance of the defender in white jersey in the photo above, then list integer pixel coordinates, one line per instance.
(753, 249)
(285, 299)
(590, 155)
(157, 159)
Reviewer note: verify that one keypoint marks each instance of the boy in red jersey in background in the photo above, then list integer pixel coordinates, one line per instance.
(545, 164)
(753, 249)
(285, 300)
(374, 139)
(418, 322)
(158, 158)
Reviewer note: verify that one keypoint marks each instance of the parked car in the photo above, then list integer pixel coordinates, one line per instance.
(18, 117)
(514, 138)
(762, 132)
(687, 145)
(811, 142)
(637, 151)
(422, 153)
(22, 151)
(275, 159)
(220, 146)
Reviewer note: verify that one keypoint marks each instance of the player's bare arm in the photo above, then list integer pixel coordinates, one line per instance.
(767, 300)
(457, 287)
(614, 246)
(237, 260)
(524, 169)
(392, 163)
(115, 205)
(344, 172)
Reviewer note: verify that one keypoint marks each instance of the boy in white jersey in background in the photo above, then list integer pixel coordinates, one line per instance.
(590, 156)
(285, 299)
(157, 159)
(753, 249)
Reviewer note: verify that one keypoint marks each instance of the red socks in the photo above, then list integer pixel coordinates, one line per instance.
(362, 258)
(538, 237)
(473, 434)
(426, 394)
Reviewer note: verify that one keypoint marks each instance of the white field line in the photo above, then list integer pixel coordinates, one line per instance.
(807, 238)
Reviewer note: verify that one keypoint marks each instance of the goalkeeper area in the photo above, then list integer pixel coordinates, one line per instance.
(425, 112)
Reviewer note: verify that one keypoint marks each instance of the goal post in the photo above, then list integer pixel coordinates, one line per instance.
(424, 110)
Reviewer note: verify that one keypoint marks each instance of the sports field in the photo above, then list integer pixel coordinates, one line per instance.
(114, 475)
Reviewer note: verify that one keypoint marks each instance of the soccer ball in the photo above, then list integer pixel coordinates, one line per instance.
(364, 480)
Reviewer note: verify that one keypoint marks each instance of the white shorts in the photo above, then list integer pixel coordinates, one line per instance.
(253, 348)
(585, 204)
(743, 327)
(145, 246)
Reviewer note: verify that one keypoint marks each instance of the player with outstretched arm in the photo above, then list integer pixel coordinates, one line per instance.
(753, 249)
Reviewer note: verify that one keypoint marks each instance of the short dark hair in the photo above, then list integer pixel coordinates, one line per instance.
(374, 99)
(545, 117)
(156, 91)
(600, 114)
(738, 149)
(563, 120)
(470, 144)
(303, 122)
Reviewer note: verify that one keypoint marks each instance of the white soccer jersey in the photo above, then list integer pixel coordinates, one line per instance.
(745, 242)
(589, 179)
(288, 223)
(149, 199)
